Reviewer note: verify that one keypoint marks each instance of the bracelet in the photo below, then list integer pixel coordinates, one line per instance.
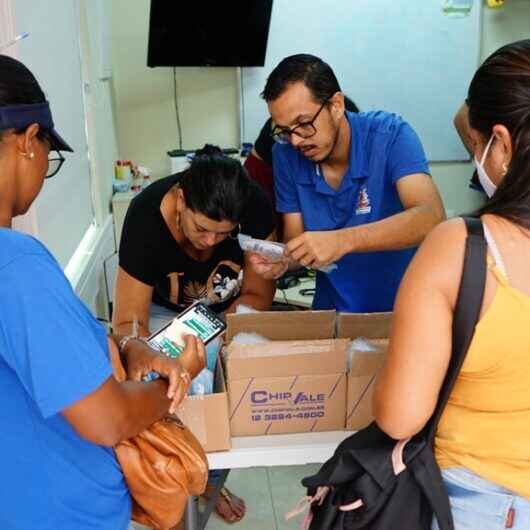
(125, 340)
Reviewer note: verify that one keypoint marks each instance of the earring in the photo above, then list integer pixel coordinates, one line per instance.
(29, 155)
(504, 169)
(235, 232)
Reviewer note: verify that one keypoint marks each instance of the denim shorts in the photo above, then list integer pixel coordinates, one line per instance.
(478, 504)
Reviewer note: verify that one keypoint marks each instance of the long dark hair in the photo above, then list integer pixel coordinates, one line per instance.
(500, 94)
(215, 185)
(18, 86)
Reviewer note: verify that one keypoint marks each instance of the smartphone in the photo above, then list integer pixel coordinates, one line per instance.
(198, 320)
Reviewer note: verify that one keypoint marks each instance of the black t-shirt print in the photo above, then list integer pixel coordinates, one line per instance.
(149, 252)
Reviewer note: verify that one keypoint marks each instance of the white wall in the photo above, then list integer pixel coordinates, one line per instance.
(143, 97)
(62, 217)
(86, 269)
(101, 132)
(208, 97)
(500, 26)
(63, 210)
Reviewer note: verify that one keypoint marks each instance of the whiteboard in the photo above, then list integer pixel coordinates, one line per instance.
(64, 207)
(405, 57)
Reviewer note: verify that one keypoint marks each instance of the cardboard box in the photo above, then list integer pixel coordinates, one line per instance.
(207, 416)
(366, 325)
(364, 365)
(283, 325)
(295, 383)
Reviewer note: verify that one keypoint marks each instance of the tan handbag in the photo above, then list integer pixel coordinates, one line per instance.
(162, 465)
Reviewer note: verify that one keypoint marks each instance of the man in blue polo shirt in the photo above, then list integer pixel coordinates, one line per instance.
(354, 189)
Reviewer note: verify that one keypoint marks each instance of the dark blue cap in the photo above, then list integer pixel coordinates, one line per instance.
(21, 116)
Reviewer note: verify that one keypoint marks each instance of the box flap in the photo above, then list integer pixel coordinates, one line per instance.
(283, 325)
(368, 325)
(286, 358)
(207, 416)
(366, 363)
(219, 381)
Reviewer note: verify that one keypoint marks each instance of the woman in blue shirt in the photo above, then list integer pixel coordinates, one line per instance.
(62, 411)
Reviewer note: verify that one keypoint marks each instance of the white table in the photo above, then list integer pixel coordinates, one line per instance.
(278, 450)
(269, 451)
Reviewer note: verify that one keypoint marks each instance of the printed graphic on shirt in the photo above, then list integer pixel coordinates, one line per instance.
(195, 291)
(174, 286)
(363, 202)
(223, 284)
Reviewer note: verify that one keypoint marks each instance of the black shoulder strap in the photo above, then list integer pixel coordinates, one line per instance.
(467, 310)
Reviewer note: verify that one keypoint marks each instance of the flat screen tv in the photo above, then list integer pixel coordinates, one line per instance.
(208, 32)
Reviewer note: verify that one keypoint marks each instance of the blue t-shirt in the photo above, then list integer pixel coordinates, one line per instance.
(53, 352)
(384, 148)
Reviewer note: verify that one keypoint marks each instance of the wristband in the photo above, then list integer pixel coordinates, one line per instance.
(125, 340)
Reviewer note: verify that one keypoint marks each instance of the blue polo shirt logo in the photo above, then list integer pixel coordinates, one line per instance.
(363, 202)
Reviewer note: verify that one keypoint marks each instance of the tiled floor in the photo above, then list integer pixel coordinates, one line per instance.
(269, 493)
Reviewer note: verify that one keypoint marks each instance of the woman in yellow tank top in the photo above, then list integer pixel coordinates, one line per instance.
(483, 439)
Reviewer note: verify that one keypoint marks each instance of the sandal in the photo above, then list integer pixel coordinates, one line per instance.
(228, 506)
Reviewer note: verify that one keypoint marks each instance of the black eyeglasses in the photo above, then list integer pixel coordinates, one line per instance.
(282, 135)
(55, 162)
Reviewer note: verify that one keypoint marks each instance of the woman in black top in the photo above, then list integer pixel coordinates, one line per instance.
(179, 245)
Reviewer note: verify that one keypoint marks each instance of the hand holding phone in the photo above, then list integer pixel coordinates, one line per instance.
(193, 359)
(196, 320)
(143, 361)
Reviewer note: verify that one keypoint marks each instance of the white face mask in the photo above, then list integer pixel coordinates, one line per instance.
(483, 177)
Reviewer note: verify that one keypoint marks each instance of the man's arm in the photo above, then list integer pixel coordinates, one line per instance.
(423, 210)
(293, 226)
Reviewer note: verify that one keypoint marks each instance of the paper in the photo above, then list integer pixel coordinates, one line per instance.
(457, 8)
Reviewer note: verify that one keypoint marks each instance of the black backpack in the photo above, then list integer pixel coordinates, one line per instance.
(381, 484)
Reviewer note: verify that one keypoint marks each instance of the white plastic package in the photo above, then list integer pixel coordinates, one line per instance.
(249, 338)
(271, 250)
(202, 384)
(242, 309)
(360, 344)
(246, 337)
